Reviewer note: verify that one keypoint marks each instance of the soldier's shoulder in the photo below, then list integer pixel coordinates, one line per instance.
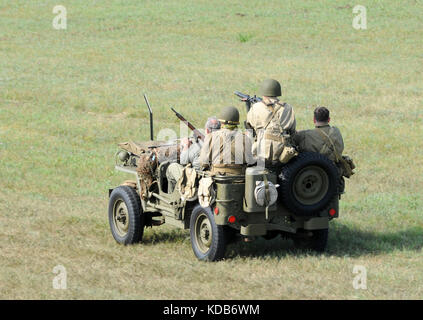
(222, 132)
(286, 105)
(301, 134)
(257, 105)
(305, 132)
(216, 133)
(336, 129)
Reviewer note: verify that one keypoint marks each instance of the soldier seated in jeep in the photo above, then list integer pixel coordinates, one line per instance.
(230, 200)
(227, 151)
(323, 138)
(190, 153)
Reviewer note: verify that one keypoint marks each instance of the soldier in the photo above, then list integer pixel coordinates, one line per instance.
(273, 122)
(228, 150)
(190, 153)
(323, 139)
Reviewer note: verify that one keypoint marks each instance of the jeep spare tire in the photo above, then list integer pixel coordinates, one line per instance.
(308, 183)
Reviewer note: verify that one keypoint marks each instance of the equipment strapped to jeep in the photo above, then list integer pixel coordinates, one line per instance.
(146, 165)
(308, 183)
(231, 200)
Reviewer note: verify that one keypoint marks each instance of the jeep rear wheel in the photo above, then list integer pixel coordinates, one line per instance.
(207, 238)
(316, 242)
(125, 217)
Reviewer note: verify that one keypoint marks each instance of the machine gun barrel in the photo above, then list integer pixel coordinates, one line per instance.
(249, 100)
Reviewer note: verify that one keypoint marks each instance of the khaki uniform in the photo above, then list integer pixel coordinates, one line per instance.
(173, 174)
(313, 141)
(192, 155)
(174, 170)
(270, 130)
(226, 151)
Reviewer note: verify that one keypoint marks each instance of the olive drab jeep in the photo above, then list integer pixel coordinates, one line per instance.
(296, 200)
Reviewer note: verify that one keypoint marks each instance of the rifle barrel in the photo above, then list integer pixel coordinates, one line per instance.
(241, 95)
(197, 133)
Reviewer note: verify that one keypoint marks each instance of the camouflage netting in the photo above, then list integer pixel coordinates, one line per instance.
(167, 153)
(149, 159)
(146, 166)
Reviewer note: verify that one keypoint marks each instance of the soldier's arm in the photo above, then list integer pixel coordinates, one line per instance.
(287, 119)
(250, 123)
(194, 154)
(184, 157)
(250, 118)
(249, 158)
(184, 147)
(339, 140)
(205, 153)
(299, 138)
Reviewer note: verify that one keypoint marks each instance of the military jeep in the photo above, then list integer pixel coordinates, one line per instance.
(296, 200)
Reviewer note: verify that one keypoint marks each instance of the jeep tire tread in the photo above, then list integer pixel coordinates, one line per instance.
(125, 215)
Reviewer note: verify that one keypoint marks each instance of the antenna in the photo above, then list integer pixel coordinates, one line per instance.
(151, 117)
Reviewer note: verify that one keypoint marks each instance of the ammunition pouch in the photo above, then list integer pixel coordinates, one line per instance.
(347, 166)
(206, 192)
(188, 184)
(287, 154)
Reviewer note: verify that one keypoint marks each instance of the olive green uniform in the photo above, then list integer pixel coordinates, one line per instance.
(270, 129)
(226, 151)
(313, 141)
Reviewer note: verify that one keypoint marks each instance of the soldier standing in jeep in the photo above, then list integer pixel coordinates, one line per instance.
(273, 122)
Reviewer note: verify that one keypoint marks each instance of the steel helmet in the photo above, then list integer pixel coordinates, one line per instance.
(270, 88)
(229, 115)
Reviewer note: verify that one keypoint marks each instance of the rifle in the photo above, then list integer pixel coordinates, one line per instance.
(247, 99)
(197, 133)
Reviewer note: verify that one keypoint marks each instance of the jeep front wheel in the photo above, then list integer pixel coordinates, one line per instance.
(125, 215)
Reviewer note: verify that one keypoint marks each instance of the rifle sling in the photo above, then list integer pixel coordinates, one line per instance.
(275, 110)
(331, 145)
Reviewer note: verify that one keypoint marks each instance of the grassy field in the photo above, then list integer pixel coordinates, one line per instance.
(67, 97)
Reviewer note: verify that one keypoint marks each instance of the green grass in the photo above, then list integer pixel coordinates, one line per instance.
(242, 37)
(68, 97)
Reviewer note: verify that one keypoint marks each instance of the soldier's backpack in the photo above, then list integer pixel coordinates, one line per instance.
(288, 151)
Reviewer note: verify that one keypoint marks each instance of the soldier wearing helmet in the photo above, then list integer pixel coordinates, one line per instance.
(273, 122)
(228, 150)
